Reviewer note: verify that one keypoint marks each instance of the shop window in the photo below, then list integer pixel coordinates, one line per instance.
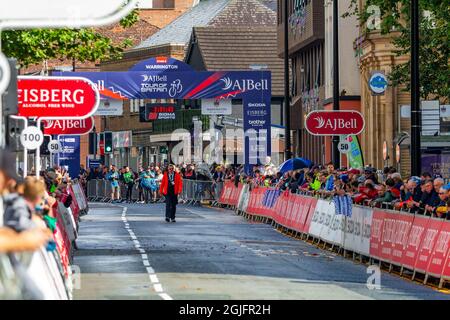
(445, 119)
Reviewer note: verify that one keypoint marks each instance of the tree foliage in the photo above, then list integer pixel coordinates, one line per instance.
(434, 41)
(34, 46)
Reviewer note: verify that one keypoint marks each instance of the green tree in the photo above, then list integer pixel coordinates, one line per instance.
(434, 41)
(34, 46)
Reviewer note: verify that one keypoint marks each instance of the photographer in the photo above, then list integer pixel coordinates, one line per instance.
(113, 177)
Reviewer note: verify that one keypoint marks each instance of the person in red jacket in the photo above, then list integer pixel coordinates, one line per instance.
(171, 187)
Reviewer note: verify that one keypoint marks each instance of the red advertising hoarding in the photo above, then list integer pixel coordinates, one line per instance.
(427, 246)
(441, 250)
(330, 123)
(68, 127)
(56, 97)
(309, 217)
(402, 228)
(376, 235)
(414, 241)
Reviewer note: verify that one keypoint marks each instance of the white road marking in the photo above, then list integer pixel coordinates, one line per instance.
(165, 296)
(151, 272)
(158, 288)
(153, 278)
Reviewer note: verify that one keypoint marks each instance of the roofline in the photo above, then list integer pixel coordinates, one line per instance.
(175, 20)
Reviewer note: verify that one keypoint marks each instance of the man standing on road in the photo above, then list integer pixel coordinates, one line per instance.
(128, 178)
(113, 177)
(171, 187)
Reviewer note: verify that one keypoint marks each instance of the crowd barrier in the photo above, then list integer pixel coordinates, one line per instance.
(194, 191)
(46, 274)
(230, 194)
(420, 244)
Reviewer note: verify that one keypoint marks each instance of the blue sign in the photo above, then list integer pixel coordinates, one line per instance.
(69, 158)
(179, 82)
(378, 83)
(91, 163)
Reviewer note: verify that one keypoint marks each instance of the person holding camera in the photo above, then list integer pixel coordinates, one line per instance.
(113, 177)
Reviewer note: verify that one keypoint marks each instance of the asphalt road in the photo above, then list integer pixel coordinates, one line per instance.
(130, 252)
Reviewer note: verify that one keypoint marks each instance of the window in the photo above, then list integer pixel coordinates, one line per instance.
(134, 105)
(163, 4)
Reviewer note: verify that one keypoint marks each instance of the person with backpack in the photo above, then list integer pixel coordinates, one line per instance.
(148, 182)
(113, 178)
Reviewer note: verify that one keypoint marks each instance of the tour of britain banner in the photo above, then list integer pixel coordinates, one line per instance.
(253, 87)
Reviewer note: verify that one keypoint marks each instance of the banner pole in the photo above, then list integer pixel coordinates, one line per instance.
(37, 162)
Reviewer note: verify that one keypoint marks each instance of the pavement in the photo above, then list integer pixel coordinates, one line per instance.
(130, 252)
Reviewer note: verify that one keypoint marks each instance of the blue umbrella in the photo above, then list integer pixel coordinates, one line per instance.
(295, 164)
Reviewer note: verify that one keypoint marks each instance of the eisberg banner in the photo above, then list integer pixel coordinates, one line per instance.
(173, 81)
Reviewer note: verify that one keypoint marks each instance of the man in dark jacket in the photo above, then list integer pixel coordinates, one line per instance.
(430, 198)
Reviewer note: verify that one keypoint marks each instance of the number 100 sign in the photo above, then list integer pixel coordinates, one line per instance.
(31, 138)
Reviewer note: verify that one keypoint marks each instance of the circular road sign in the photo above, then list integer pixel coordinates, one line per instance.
(32, 138)
(378, 83)
(344, 147)
(54, 146)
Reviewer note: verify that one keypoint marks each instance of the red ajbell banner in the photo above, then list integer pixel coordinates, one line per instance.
(57, 97)
(68, 127)
(331, 123)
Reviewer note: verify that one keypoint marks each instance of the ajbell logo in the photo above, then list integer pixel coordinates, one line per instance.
(329, 123)
(65, 124)
(244, 85)
(335, 124)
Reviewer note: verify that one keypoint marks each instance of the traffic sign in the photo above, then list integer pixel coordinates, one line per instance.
(344, 147)
(68, 127)
(333, 123)
(57, 97)
(378, 83)
(54, 146)
(32, 138)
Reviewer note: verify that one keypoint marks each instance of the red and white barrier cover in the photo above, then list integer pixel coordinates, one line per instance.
(415, 242)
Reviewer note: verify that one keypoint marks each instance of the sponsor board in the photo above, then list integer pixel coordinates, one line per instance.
(216, 107)
(329, 123)
(68, 126)
(56, 97)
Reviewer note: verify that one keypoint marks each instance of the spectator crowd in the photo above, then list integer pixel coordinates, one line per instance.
(427, 194)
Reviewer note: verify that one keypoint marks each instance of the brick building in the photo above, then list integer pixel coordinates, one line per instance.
(173, 40)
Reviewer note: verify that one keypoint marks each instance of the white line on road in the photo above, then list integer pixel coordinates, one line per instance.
(158, 288)
(151, 272)
(165, 296)
(154, 278)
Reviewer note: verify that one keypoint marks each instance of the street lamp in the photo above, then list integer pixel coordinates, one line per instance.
(335, 151)
(415, 93)
(287, 103)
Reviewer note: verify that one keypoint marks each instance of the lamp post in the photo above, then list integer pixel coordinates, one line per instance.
(335, 151)
(287, 103)
(415, 91)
